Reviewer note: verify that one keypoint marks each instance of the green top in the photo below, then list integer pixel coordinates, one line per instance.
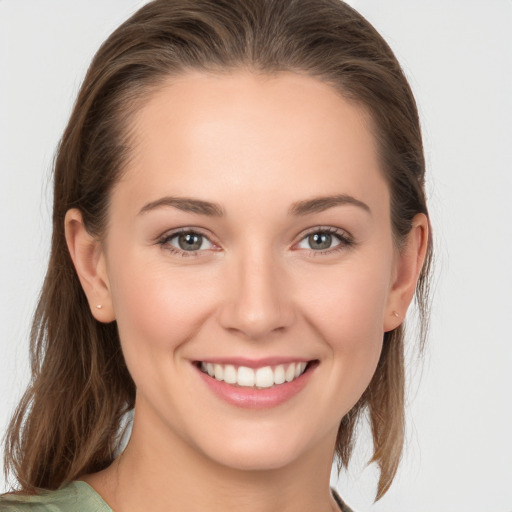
(77, 496)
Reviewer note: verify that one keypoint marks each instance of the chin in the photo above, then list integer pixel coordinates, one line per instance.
(263, 454)
(256, 460)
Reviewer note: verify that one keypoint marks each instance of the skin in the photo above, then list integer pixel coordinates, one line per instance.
(255, 145)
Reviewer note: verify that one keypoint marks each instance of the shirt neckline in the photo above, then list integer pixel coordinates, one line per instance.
(93, 494)
(97, 497)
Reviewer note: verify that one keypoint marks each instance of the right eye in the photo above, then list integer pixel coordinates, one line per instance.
(186, 243)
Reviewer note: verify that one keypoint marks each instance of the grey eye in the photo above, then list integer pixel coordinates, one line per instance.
(190, 241)
(320, 241)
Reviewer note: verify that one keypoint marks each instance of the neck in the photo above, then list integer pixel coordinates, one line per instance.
(161, 469)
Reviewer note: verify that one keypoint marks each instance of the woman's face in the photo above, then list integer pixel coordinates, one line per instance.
(250, 233)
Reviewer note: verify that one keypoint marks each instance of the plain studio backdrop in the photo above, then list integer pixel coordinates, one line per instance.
(458, 57)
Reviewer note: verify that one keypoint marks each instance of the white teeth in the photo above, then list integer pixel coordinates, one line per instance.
(264, 377)
(299, 369)
(245, 377)
(290, 373)
(219, 372)
(279, 375)
(230, 374)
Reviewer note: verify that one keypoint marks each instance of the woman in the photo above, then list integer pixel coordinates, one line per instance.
(239, 228)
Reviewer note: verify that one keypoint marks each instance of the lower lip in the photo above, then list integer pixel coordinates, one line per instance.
(255, 398)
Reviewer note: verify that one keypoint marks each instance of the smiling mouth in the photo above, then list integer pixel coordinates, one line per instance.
(258, 378)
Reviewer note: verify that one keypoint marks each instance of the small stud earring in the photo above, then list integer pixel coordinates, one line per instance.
(99, 306)
(396, 314)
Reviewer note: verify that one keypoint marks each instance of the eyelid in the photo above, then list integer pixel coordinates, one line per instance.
(345, 238)
(326, 229)
(163, 240)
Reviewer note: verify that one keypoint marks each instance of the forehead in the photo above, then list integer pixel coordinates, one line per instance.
(254, 134)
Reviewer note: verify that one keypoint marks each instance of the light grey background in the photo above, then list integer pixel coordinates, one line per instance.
(458, 57)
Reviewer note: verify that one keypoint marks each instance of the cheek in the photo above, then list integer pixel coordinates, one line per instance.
(347, 310)
(157, 308)
(349, 304)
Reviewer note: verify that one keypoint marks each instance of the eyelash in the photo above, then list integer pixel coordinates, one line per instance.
(345, 241)
(165, 239)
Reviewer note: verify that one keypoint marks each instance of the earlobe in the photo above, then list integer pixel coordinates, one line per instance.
(89, 260)
(410, 260)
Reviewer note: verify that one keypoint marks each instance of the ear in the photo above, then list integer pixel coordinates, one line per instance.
(89, 260)
(409, 262)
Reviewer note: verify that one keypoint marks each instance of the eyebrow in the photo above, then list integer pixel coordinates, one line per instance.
(186, 204)
(299, 208)
(320, 204)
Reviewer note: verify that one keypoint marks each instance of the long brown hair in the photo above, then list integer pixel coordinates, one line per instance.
(68, 421)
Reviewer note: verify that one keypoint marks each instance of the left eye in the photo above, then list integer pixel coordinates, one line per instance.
(189, 241)
(320, 241)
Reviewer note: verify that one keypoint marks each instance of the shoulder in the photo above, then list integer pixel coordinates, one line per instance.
(70, 498)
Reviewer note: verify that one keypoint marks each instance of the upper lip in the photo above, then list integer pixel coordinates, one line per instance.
(254, 363)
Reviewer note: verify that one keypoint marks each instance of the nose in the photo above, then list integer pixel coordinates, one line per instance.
(258, 301)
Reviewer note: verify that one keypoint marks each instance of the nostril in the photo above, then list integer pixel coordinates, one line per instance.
(258, 306)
